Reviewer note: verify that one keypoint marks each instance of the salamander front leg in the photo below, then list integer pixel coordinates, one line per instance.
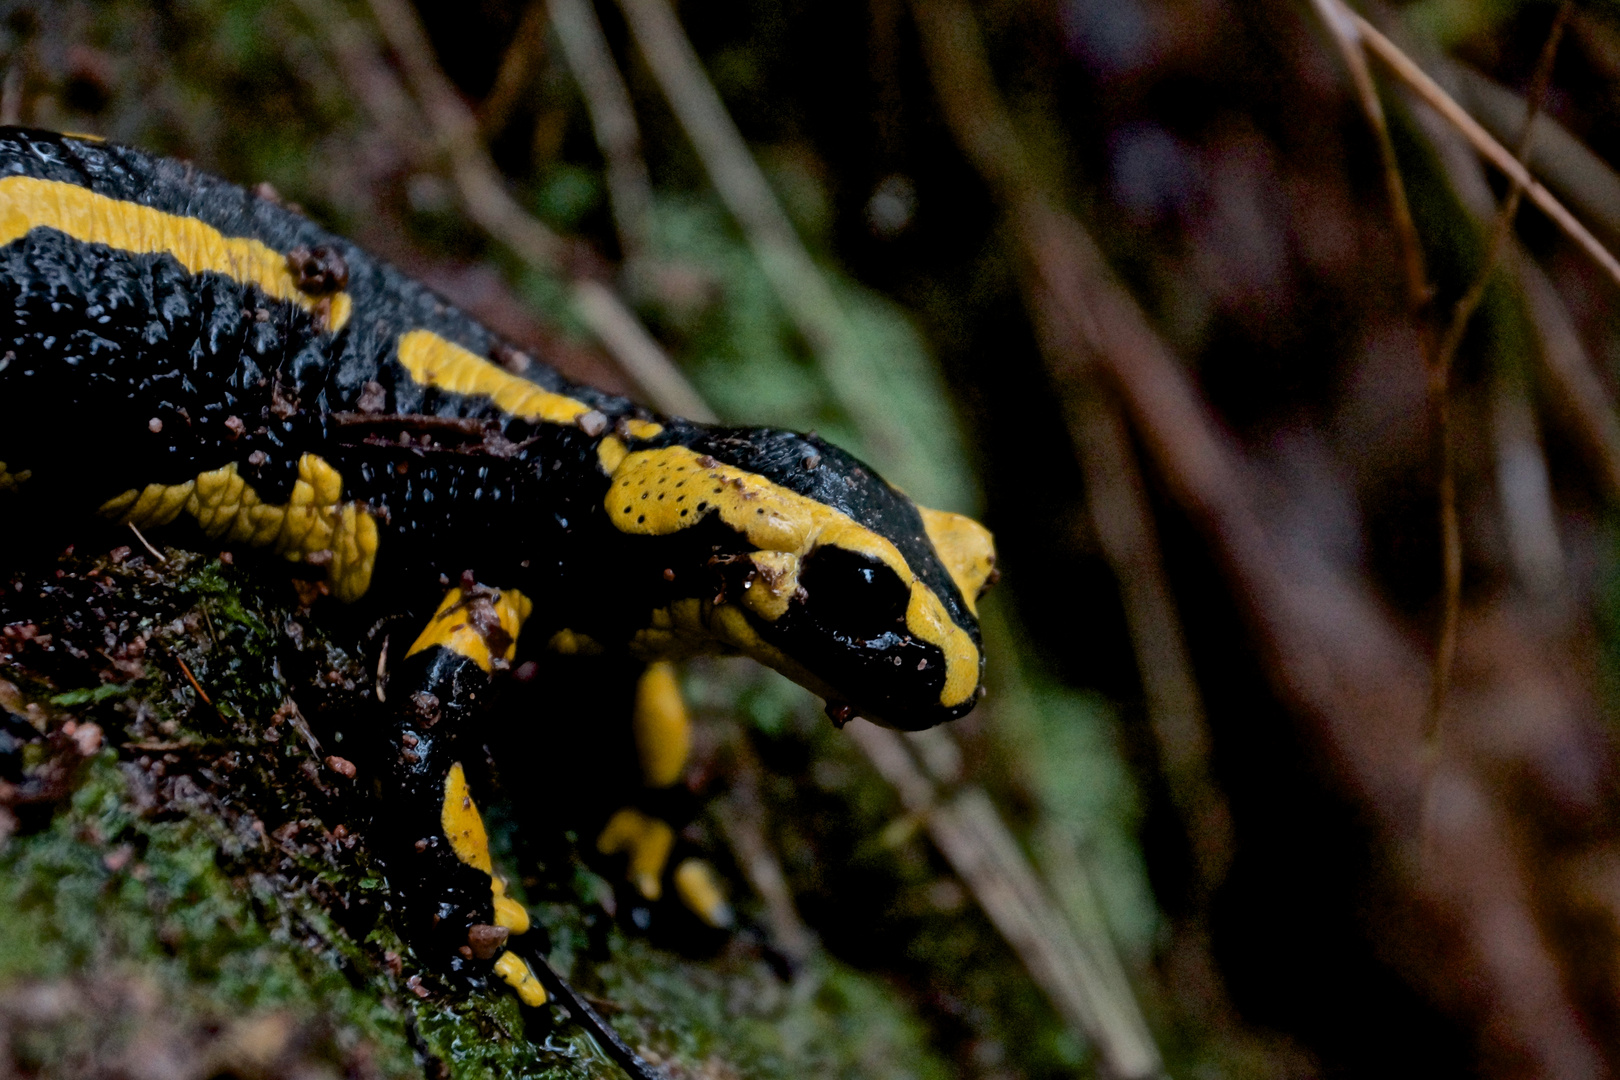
(642, 834)
(455, 904)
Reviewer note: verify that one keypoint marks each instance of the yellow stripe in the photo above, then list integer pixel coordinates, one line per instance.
(965, 547)
(433, 361)
(27, 203)
(464, 827)
(451, 626)
(314, 520)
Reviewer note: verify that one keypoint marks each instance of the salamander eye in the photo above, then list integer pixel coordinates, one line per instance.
(852, 596)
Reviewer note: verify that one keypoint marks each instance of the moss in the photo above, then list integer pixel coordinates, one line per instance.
(205, 855)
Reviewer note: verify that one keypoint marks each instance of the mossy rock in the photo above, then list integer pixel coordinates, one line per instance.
(189, 890)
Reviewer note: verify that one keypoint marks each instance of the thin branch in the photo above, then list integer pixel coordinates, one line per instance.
(1494, 152)
(971, 835)
(1123, 522)
(516, 71)
(607, 99)
(1440, 383)
(1332, 648)
(742, 186)
(1580, 394)
(803, 290)
(488, 202)
(1347, 38)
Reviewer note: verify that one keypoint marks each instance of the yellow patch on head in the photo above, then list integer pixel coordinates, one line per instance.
(642, 429)
(774, 583)
(433, 361)
(28, 203)
(314, 520)
(662, 726)
(454, 626)
(463, 826)
(965, 547)
(658, 492)
(647, 841)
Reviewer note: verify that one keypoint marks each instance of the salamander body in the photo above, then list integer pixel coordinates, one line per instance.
(178, 353)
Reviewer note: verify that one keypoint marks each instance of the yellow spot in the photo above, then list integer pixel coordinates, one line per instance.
(512, 967)
(965, 547)
(569, 643)
(433, 361)
(647, 841)
(452, 626)
(658, 492)
(11, 481)
(642, 429)
(609, 452)
(464, 827)
(663, 728)
(27, 203)
(226, 507)
(698, 886)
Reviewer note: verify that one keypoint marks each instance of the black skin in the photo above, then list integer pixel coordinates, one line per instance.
(119, 369)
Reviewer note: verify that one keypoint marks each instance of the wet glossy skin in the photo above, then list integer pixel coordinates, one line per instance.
(140, 352)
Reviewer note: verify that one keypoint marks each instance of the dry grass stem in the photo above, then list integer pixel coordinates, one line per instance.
(522, 59)
(1440, 385)
(613, 120)
(1346, 36)
(968, 831)
(488, 202)
(1498, 155)
(1123, 521)
(1580, 395)
(793, 274)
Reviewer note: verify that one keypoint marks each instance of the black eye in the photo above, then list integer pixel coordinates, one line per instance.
(851, 596)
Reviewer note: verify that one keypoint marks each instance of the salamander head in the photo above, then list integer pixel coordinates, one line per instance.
(814, 565)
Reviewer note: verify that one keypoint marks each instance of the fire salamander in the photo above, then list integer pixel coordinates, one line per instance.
(181, 352)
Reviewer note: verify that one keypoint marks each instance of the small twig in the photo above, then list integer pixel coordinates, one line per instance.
(637, 354)
(482, 189)
(804, 292)
(1585, 400)
(607, 99)
(1122, 520)
(1498, 155)
(736, 176)
(516, 70)
(208, 622)
(1347, 37)
(1440, 385)
(195, 685)
(589, 1019)
(742, 816)
(145, 543)
(971, 835)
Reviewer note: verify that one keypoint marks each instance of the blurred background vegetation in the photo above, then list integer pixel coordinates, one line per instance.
(1150, 286)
